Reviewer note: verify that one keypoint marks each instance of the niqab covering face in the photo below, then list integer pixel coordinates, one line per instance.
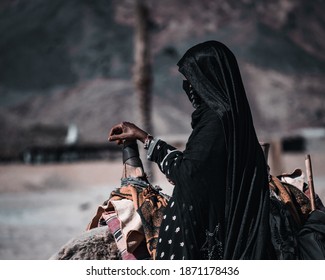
(211, 68)
(191, 93)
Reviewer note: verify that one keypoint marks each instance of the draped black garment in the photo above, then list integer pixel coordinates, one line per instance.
(220, 204)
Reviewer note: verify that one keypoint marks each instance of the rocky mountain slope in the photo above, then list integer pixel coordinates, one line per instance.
(70, 62)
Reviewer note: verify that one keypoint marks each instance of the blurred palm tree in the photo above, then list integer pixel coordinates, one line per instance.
(142, 72)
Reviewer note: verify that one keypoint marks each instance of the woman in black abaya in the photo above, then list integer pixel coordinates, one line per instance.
(220, 204)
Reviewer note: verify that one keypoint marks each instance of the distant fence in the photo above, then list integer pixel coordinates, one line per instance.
(72, 153)
(111, 151)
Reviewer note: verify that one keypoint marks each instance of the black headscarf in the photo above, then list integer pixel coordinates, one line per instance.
(212, 70)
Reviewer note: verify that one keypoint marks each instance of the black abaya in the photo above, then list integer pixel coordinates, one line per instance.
(220, 204)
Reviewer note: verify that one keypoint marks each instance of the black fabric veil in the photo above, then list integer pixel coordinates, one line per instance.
(212, 70)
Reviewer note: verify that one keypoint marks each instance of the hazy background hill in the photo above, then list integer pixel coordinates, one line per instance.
(70, 62)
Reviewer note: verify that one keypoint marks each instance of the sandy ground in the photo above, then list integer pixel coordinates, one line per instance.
(43, 206)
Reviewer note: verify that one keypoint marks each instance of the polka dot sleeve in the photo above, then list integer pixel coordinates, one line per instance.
(165, 155)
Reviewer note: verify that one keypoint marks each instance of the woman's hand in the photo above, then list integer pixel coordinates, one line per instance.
(126, 131)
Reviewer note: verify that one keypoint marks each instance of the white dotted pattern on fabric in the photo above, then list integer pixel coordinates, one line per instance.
(165, 158)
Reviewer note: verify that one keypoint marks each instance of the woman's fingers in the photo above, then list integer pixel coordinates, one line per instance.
(115, 137)
(120, 136)
(117, 133)
(115, 130)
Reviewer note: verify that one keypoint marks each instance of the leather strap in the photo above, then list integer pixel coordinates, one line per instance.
(131, 154)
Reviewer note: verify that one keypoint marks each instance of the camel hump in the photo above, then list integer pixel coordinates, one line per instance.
(95, 244)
